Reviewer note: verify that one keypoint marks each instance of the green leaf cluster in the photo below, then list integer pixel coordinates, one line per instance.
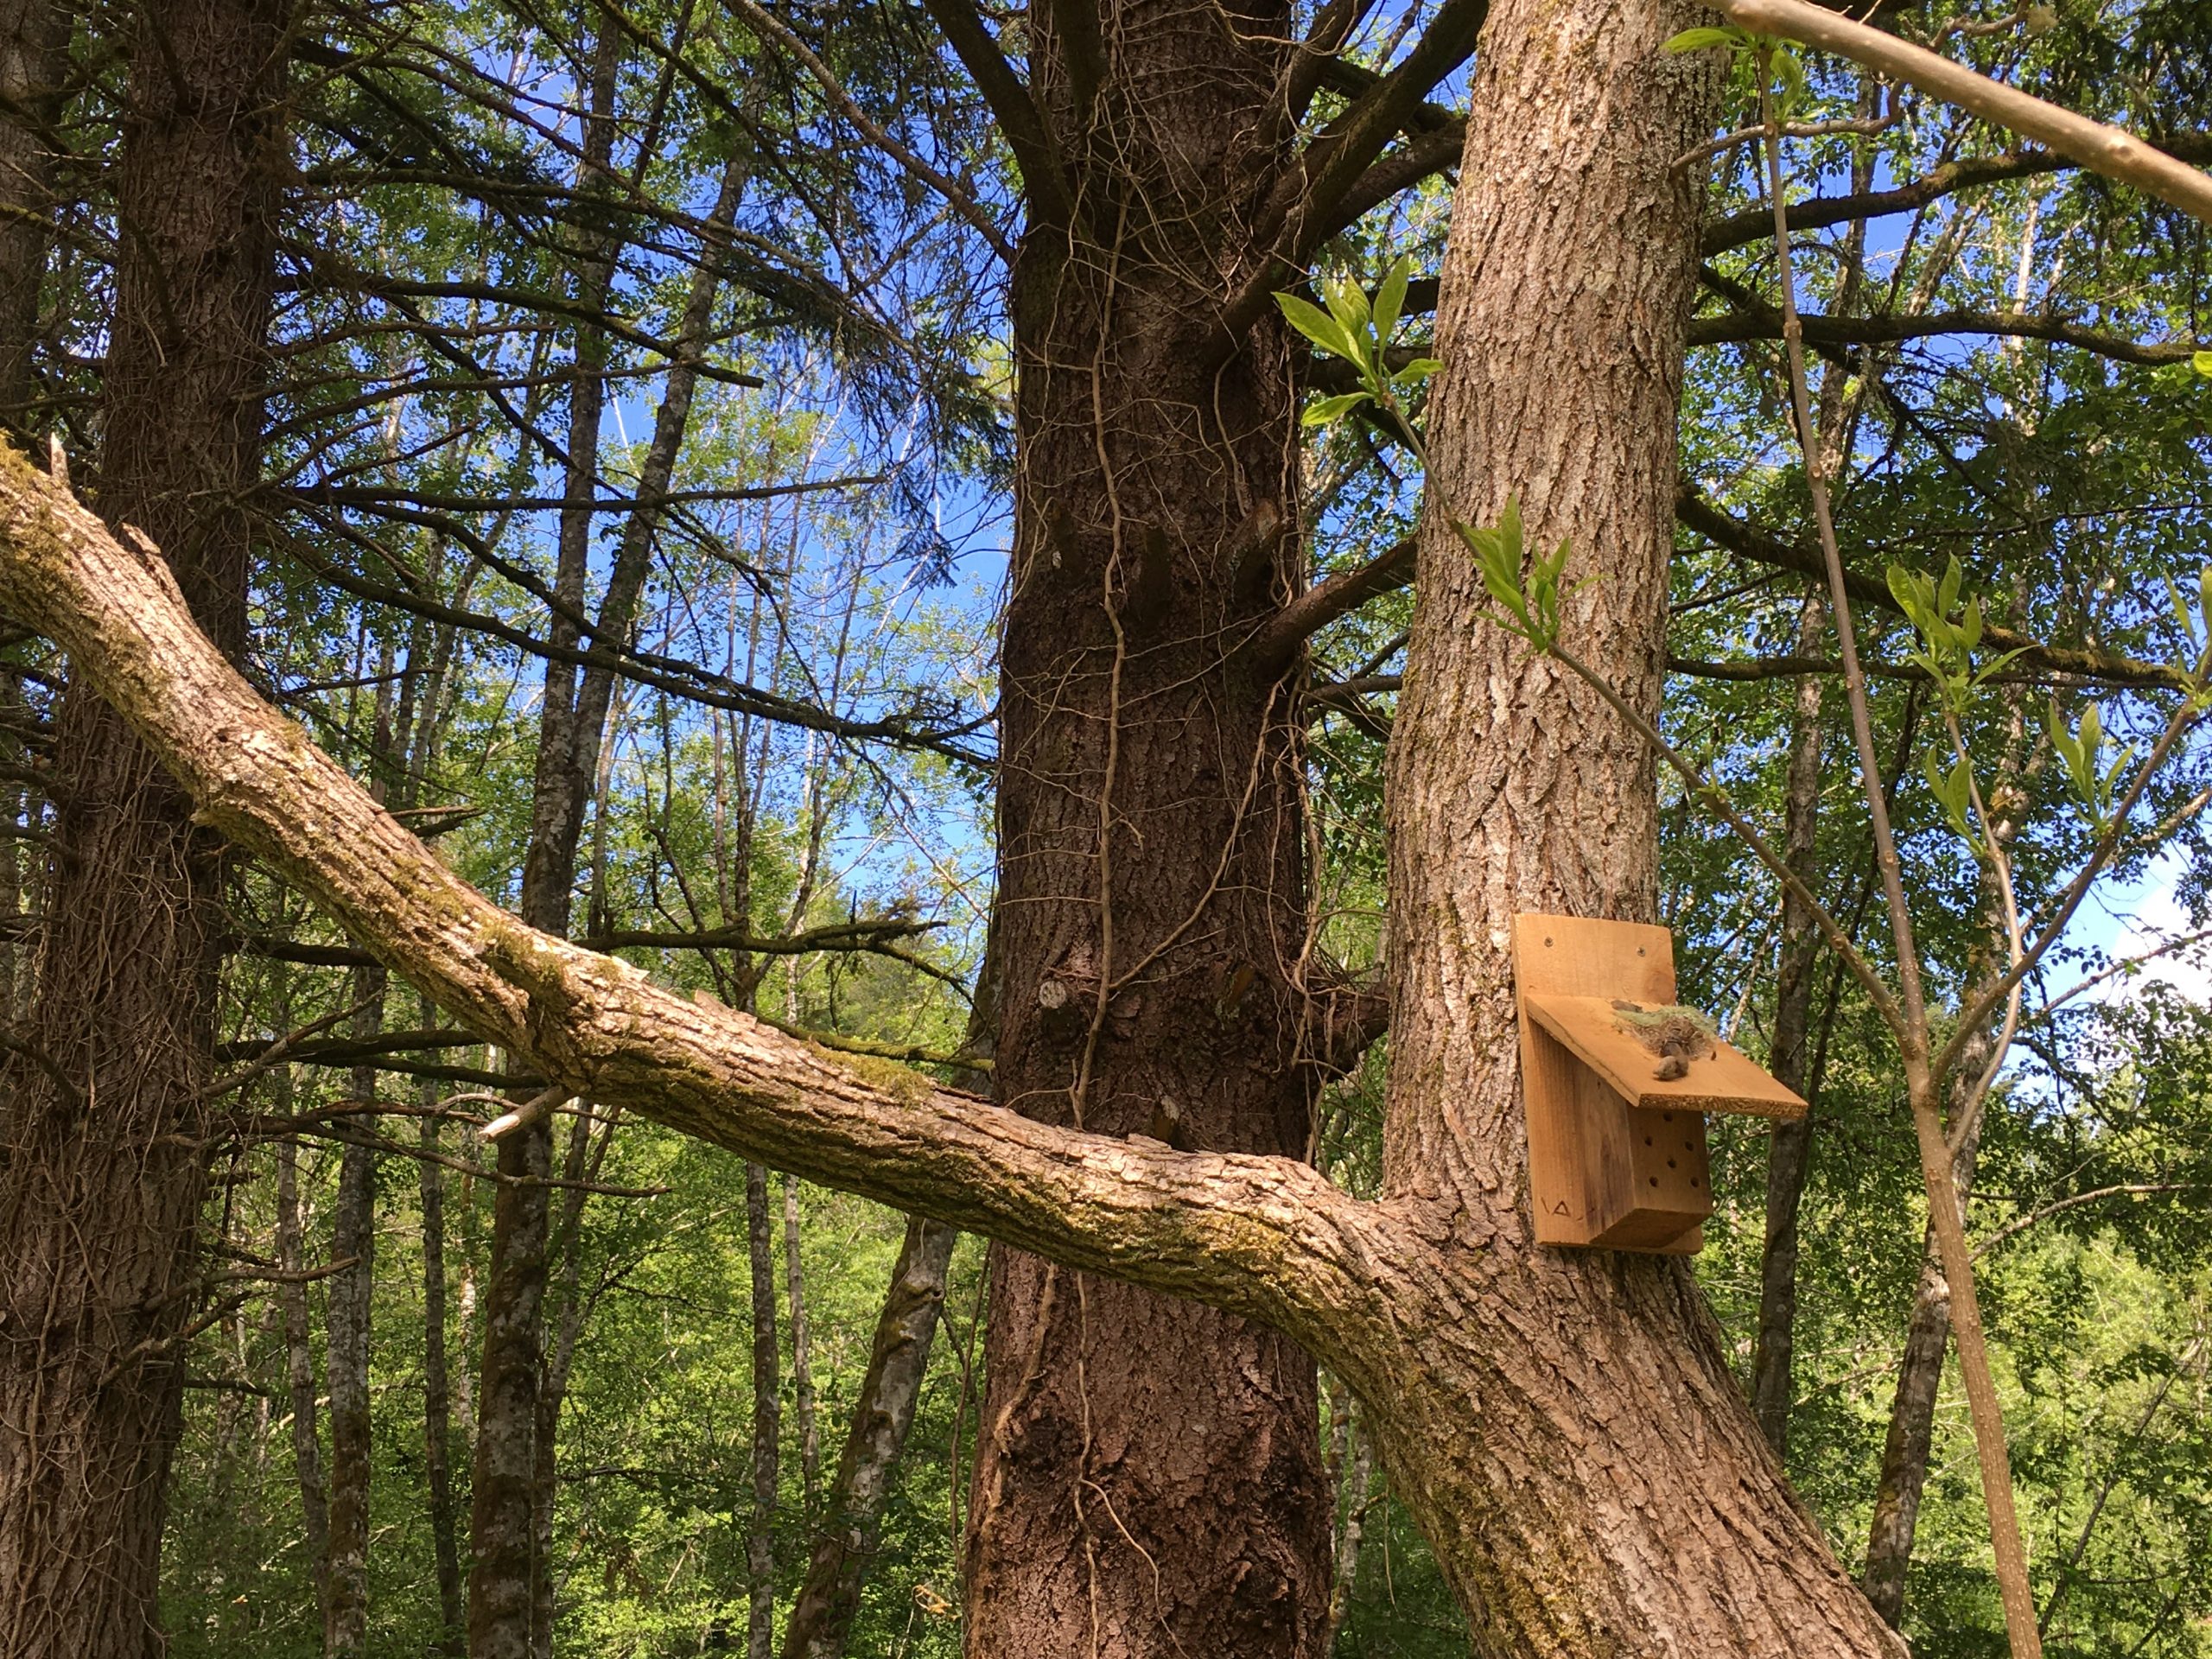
(1358, 330)
(2196, 630)
(1944, 649)
(1782, 62)
(1527, 605)
(2082, 751)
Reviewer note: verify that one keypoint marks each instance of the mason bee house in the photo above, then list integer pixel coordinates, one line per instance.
(1617, 1080)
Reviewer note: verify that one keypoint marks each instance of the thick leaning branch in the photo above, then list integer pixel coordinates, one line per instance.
(2102, 148)
(1264, 1237)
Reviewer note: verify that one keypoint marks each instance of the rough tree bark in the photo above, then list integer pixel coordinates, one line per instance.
(1563, 1425)
(1148, 1478)
(33, 58)
(100, 1191)
(1629, 1494)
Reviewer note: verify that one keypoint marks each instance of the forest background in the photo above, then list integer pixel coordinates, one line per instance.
(660, 355)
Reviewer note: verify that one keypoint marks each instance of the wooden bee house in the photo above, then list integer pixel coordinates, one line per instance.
(1616, 1152)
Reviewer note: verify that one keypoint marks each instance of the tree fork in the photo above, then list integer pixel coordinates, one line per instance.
(1434, 1331)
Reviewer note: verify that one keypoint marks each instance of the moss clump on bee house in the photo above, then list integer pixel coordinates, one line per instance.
(1674, 1034)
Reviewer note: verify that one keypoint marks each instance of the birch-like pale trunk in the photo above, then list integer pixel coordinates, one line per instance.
(438, 1437)
(768, 1421)
(299, 1355)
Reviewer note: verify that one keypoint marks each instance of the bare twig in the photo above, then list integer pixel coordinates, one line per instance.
(1866, 125)
(2020, 1224)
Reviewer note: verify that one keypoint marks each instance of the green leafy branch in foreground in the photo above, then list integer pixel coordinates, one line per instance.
(1359, 330)
(1780, 57)
(1530, 602)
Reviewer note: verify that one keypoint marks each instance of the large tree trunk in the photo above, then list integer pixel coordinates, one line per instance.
(34, 57)
(102, 1181)
(1147, 1479)
(1628, 1504)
